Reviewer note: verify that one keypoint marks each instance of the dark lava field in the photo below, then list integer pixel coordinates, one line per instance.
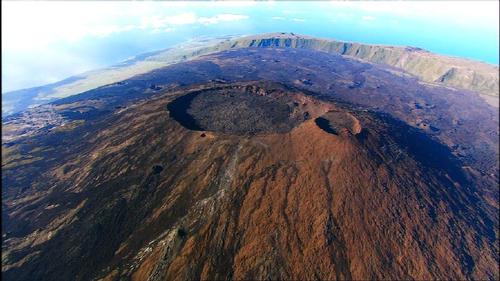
(255, 164)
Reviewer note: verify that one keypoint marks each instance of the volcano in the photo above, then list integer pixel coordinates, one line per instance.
(258, 163)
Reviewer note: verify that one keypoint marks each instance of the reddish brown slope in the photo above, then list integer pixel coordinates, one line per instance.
(311, 205)
(153, 200)
(315, 206)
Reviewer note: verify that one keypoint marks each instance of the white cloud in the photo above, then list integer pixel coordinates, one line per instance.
(34, 25)
(220, 18)
(212, 4)
(157, 22)
(55, 64)
(158, 30)
(181, 19)
(107, 30)
(36, 29)
(368, 18)
(37, 25)
(278, 18)
(298, 19)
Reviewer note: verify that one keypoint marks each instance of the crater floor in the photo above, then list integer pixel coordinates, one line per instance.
(242, 108)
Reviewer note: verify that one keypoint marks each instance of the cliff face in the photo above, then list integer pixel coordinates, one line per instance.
(431, 68)
(254, 164)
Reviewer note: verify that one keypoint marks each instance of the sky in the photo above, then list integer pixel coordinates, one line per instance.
(45, 42)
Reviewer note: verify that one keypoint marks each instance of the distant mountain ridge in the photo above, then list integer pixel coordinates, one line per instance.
(461, 73)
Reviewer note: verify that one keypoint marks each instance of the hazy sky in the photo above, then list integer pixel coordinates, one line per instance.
(44, 42)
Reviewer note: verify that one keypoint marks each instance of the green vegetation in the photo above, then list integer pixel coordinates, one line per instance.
(21, 162)
(10, 154)
(12, 157)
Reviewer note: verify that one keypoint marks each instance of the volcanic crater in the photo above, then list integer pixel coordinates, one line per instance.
(256, 108)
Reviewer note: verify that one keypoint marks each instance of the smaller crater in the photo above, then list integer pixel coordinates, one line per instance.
(157, 169)
(68, 168)
(155, 87)
(339, 123)
(181, 232)
(324, 124)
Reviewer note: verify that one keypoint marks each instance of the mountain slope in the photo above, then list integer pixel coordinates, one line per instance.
(254, 164)
(432, 68)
